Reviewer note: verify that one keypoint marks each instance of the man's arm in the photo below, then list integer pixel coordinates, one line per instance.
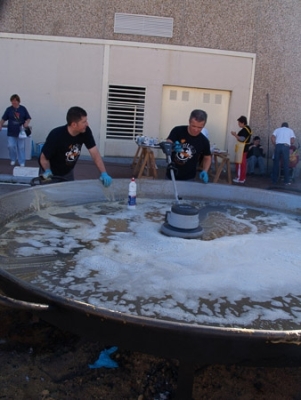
(206, 163)
(96, 157)
(26, 123)
(45, 164)
(273, 139)
(1, 123)
(261, 151)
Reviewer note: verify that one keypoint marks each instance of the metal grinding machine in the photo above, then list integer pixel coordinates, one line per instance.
(183, 219)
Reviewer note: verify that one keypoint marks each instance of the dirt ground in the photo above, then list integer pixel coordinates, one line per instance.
(41, 362)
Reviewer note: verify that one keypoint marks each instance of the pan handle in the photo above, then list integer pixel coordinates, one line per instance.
(21, 305)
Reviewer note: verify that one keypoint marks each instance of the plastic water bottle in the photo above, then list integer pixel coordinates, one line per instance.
(22, 134)
(132, 195)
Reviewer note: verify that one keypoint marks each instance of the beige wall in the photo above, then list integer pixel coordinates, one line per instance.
(269, 28)
(49, 77)
(53, 73)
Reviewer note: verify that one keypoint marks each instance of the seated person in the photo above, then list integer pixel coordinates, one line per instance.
(255, 157)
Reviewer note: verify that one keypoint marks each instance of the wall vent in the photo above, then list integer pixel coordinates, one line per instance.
(218, 99)
(185, 95)
(146, 25)
(173, 95)
(206, 98)
(125, 116)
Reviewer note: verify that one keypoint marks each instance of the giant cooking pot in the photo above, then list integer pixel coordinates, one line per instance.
(190, 343)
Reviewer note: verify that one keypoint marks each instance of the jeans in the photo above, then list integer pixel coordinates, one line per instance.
(282, 152)
(252, 161)
(16, 149)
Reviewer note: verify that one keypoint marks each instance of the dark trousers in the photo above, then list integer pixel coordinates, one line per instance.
(282, 152)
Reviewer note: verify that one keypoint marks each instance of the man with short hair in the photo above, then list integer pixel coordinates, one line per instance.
(282, 139)
(189, 146)
(62, 148)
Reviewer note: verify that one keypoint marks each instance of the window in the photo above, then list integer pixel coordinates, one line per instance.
(126, 105)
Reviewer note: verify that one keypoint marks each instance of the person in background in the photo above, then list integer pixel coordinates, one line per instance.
(255, 156)
(244, 135)
(282, 138)
(189, 146)
(62, 148)
(17, 116)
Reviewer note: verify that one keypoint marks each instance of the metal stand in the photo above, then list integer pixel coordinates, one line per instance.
(167, 149)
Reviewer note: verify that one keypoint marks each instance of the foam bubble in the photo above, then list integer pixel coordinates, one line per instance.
(121, 261)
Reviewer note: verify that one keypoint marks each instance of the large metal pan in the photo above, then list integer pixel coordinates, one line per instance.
(191, 344)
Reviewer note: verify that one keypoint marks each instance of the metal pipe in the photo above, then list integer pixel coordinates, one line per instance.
(269, 127)
(172, 174)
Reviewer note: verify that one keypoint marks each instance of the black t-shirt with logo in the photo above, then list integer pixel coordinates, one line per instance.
(63, 150)
(194, 148)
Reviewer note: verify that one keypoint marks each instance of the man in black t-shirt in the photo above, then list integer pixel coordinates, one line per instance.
(189, 146)
(63, 147)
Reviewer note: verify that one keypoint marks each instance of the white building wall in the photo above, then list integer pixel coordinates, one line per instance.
(52, 74)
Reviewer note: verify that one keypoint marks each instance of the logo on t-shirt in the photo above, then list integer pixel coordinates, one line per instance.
(73, 154)
(186, 154)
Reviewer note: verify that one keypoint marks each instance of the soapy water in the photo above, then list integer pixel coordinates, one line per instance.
(245, 272)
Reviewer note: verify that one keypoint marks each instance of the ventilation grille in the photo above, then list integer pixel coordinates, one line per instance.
(206, 98)
(218, 99)
(173, 95)
(134, 24)
(185, 95)
(126, 106)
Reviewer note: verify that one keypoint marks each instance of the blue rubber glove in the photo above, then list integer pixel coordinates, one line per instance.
(105, 360)
(177, 147)
(47, 174)
(105, 179)
(204, 176)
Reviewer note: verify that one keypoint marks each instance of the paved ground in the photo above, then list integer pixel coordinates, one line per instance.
(121, 168)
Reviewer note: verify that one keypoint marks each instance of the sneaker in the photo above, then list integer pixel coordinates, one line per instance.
(236, 180)
(22, 165)
(12, 162)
